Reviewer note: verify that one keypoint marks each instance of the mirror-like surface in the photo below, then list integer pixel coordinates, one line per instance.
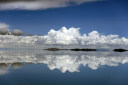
(40, 67)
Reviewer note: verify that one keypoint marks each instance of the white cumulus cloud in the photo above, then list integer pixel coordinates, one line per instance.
(65, 37)
(4, 28)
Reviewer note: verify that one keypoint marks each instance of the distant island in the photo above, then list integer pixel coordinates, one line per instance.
(83, 49)
(76, 49)
(53, 49)
(120, 50)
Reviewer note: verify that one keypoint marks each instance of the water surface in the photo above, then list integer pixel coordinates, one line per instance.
(39, 67)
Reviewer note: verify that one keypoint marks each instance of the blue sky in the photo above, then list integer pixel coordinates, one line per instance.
(107, 17)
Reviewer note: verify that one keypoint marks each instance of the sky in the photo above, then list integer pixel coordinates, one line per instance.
(104, 16)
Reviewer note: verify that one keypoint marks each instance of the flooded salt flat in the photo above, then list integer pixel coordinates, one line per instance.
(40, 67)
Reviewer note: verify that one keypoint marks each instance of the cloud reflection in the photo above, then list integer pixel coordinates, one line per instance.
(62, 60)
(3, 69)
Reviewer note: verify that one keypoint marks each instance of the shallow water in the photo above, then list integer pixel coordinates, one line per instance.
(39, 67)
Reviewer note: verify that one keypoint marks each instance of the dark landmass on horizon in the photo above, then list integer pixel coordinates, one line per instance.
(75, 49)
(120, 50)
(83, 49)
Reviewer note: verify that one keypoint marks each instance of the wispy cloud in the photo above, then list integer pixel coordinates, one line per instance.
(38, 4)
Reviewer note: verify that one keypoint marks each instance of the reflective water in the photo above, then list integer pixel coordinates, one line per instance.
(39, 67)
